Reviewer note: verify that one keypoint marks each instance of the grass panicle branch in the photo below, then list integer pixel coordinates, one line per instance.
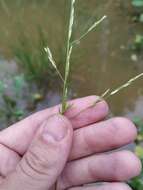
(77, 41)
(109, 93)
(52, 61)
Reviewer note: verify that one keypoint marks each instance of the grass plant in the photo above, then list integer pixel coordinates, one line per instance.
(69, 48)
(32, 58)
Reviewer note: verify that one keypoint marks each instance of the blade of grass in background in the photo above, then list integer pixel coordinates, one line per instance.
(5, 7)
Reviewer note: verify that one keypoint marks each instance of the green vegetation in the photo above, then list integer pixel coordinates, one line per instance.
(10, 111)
(16, 99)
(137, 183)
(137, 3)
(138, 17)
(33, 60)
(138, 43)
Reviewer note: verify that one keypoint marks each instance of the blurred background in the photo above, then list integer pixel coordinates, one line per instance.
(108, 57)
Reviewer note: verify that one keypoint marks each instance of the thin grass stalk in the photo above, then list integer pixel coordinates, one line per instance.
(69, 48)
(109, 93)
(94, 25)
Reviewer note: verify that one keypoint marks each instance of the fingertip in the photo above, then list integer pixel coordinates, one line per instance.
(86, 111)
(55, 129)
(103, 106)
(126, 126)
(80, 104)
(61, 119)
(129, 165)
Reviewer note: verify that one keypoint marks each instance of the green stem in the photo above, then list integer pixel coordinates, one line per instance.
(67, 62)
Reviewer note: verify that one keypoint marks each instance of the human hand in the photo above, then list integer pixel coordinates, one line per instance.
(34, 152)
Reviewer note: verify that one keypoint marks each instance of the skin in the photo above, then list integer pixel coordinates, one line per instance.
(48, 148)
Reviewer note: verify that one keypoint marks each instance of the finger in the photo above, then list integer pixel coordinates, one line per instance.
(25, 130)
(102, 136)
(106, 186)
(8, 160)
(84, 111)
(1, 180)
(45, 158)
(119, 166)
(96, 138)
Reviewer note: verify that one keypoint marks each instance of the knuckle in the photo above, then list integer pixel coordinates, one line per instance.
(35, 162)
(89, 140)
(34, 165)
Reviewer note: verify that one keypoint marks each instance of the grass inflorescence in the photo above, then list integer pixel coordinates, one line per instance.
(69, 48)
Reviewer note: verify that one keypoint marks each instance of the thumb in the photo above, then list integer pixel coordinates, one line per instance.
(45, 158)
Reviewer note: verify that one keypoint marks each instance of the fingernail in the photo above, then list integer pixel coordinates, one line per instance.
(55, 129)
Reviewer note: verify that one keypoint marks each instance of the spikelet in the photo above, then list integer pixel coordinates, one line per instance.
(52, 61)
(71, 22)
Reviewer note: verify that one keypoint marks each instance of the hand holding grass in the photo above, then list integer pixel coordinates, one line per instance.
(46, 155)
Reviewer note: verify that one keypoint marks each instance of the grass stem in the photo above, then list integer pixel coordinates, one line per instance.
(69, 48)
